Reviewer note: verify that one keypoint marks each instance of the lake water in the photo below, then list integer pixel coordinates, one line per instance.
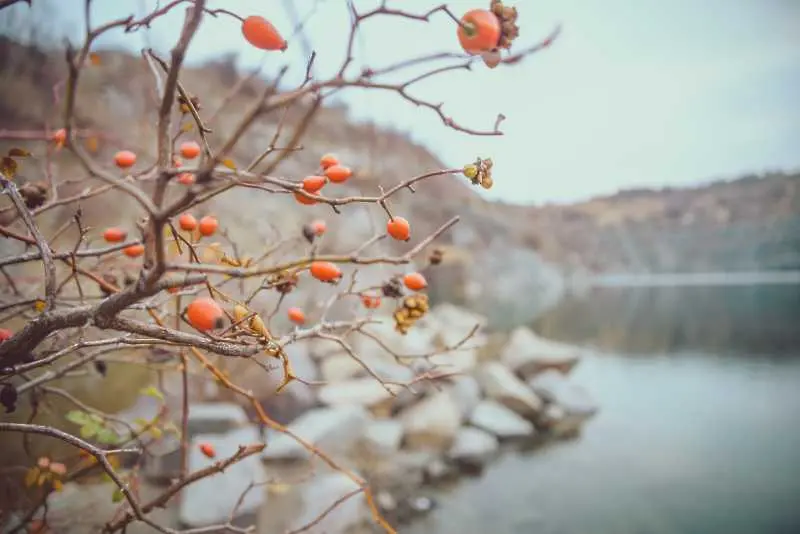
(699, 429)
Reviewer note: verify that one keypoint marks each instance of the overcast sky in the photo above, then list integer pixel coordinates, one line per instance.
(633, 93)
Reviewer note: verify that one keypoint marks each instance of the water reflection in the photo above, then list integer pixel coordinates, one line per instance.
(742, 320)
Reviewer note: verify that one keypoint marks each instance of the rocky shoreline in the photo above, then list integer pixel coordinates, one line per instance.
(402, 442)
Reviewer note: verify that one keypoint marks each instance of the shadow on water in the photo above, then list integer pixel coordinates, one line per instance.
(699, 391)
(743, 320)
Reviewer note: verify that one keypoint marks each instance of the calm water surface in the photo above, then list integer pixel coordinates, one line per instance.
(699, 430)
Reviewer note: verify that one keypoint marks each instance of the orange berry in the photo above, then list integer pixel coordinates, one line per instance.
(304, 200)
(60, 137)
(415, 281)
(187, 222)
(338, 173)
(312, 184)
(186, 178)
(399, 229)
(371, 301)
(325, 271)
(319, 227)
(479, 31)
(208, 225)
(205, 314)
(328, 160)
(124, 159)
(134, 251)
(296, 315)
(5, 333)
(260, 33)
(190, 150)
(115, 235)
(208, 450)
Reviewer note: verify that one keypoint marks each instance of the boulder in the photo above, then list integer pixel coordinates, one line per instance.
(473, 446)
(432, 423)
(570, 405)
(500, 384)
(333, 429)
(466, 393)
(366, 392)
(528, 354)
(383, 437)
(496, 419)
(214, 499)
(163, 461)
(322, 492)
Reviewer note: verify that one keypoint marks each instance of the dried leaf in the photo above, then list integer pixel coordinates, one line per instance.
(31, 476)
(39, 305)
(8, 167)
(18, 153)
(42, 478)
(58, 485)
(229, 163)
(187, 127)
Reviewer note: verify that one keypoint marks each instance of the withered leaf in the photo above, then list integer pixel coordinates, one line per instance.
(18, 153)
(8, 167)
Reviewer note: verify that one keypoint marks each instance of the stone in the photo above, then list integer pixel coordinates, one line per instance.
(383, 437)
(214, 499)
(462, 360)
(365, 392)
(528, 354)
(570, 405)
(432, 423)
(473, 446)
(500, 384)
(466, 393)
(339, 367)
(332, 429)
(454, 323)
(496, 419)
(163, 461)
(322, 492)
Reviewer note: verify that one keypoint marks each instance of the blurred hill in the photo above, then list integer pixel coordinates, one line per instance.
(746, 224)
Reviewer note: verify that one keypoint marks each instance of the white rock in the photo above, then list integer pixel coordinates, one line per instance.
(365, 391)
(333, 429)
(212, 500)
(554, 387)
(339, 367)
(500, 384)
(496, 419)
(432, 423)
(454, 323)
(473, 445)
(463, 360)
(383, 437)
(527, 354)
(466, 393)
(322, 492)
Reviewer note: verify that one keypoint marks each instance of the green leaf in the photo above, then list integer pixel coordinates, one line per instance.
(117, 496)
(152, 391)
(107, 436)
(78, 417)
(88, 430)
(140, 422)
(171, 427)
(96, 418)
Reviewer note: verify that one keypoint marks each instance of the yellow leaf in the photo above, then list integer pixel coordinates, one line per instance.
(31, 476)
(92, 144)
(229, 163)
(39, 305)
(18, 153)
(58, 485)
(187, 127)
(156, 432)
(8, 167)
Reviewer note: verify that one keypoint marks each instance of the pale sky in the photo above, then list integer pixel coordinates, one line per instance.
(633, 93)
